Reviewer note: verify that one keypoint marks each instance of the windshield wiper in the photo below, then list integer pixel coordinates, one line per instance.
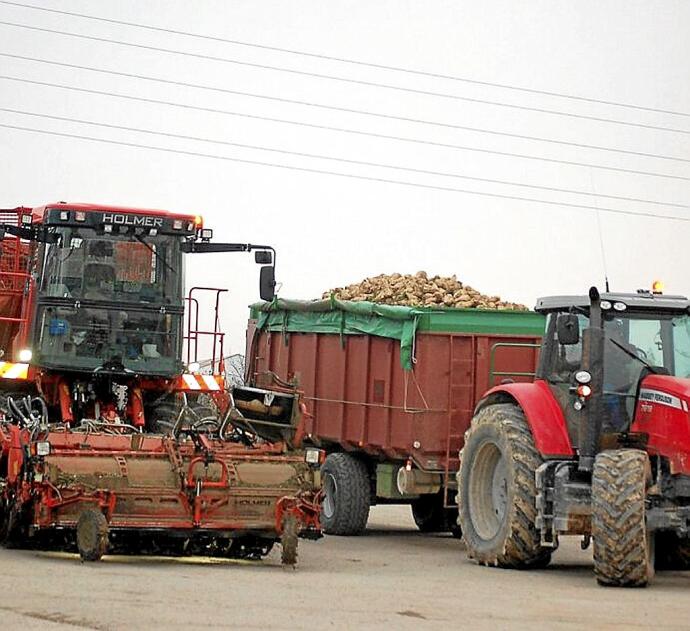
(627, 351)
(153, 251)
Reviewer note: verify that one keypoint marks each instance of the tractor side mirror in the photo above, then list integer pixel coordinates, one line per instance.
(568, 329)
(267, 283)
(263, 257)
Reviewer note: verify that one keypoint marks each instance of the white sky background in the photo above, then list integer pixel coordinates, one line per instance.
(331, 231)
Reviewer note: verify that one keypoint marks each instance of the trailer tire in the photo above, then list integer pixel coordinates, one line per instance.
(497, 490)
(671, 552)
(430, 515)
(623, 547)
(92, 535)
(346, 495)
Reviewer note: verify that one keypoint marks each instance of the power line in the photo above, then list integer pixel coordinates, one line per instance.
(344, 175)
(212, 110)
(317, 75)
(357, 62)
(338, 159)
(340, 109)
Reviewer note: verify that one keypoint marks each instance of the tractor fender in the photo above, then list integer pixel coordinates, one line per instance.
(543, 413)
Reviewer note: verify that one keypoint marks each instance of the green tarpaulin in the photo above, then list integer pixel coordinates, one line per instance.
(399, 323)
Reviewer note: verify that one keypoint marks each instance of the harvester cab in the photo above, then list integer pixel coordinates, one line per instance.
(601, 437)
(92, 311)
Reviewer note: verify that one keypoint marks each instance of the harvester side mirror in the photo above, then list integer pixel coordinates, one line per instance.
(263, 257)
(568, 329)
(267, 283)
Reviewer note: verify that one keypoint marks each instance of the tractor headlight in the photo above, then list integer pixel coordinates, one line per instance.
(605, 304)
(582, 377)
(43, 448)
(314, 456)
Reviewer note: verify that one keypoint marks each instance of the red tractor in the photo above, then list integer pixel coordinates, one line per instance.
(597, 446)
(104, 427)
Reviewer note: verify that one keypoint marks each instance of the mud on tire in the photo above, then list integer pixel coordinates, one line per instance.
(623, 548)
(347, 495)
(92, 535)
(497, 490)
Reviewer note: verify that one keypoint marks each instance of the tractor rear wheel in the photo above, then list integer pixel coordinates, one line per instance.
(671, 552)
(623, 547)
(497, 490)
(346, 495)
(92, 535)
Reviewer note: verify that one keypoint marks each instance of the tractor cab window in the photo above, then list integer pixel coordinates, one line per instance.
(681, 346)
(564, 359)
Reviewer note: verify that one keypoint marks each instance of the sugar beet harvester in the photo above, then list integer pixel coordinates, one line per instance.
(104, 429)
(597, 446)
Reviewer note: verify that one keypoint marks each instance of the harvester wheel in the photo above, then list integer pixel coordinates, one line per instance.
(623, 547)
(671, 552)
(92, 535)
(497, 490)
(161, 418)
(289, 540)
(346, 495)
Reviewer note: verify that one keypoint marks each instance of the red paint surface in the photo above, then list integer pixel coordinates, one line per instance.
(668, 427)
(360, 398)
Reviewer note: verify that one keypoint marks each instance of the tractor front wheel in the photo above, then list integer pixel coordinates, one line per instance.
(623, 547)
(92, 535)
(497, 490)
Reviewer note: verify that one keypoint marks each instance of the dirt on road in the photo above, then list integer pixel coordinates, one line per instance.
(393, 577)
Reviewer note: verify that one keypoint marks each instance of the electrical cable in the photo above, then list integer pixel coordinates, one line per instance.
(406, 119)
(343, 175)
(200, 108)
(346, 79)
(337, 159)
(357, 62)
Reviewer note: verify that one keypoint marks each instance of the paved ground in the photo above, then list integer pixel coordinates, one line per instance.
(393, 577)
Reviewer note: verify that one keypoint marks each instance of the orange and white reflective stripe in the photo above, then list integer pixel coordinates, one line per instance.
(9, 370)
(208, 383)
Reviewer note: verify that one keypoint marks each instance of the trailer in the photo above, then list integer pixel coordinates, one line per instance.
(389, 393)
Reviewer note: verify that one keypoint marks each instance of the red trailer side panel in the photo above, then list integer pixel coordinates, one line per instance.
(360, 397)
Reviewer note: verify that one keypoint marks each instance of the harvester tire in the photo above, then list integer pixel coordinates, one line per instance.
(92, 535)
(497, 490)
(346, 495)
(623, 547)
(161, 418)
(289, 540)
(430, 515)
(671, 552)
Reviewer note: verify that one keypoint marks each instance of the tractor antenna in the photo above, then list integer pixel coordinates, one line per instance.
(601, 235)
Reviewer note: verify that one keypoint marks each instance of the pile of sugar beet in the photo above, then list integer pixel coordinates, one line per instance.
(421, 290)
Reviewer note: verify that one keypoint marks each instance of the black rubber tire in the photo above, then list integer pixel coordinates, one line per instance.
(497, 490)
(289, 540)
(671, 552)
(347, 495)
(92, 535)
(160, 419)
(623, 548)
(430, 515)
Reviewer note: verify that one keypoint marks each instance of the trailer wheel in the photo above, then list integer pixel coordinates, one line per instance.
(430, 515)
(497, 490)
(623, 548)
(671, 552)
(92, 535)
(289, 540)
(346, 495)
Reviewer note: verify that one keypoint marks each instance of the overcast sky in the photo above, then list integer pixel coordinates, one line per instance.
(332, 230)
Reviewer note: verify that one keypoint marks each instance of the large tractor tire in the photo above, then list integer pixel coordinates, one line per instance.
(623, 547)
(497, 490)
(346, 495)
(671, 552)
(430, 515)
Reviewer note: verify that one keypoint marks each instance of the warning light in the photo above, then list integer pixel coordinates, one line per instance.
(584, 391)
(198, 221)
(657, 287)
